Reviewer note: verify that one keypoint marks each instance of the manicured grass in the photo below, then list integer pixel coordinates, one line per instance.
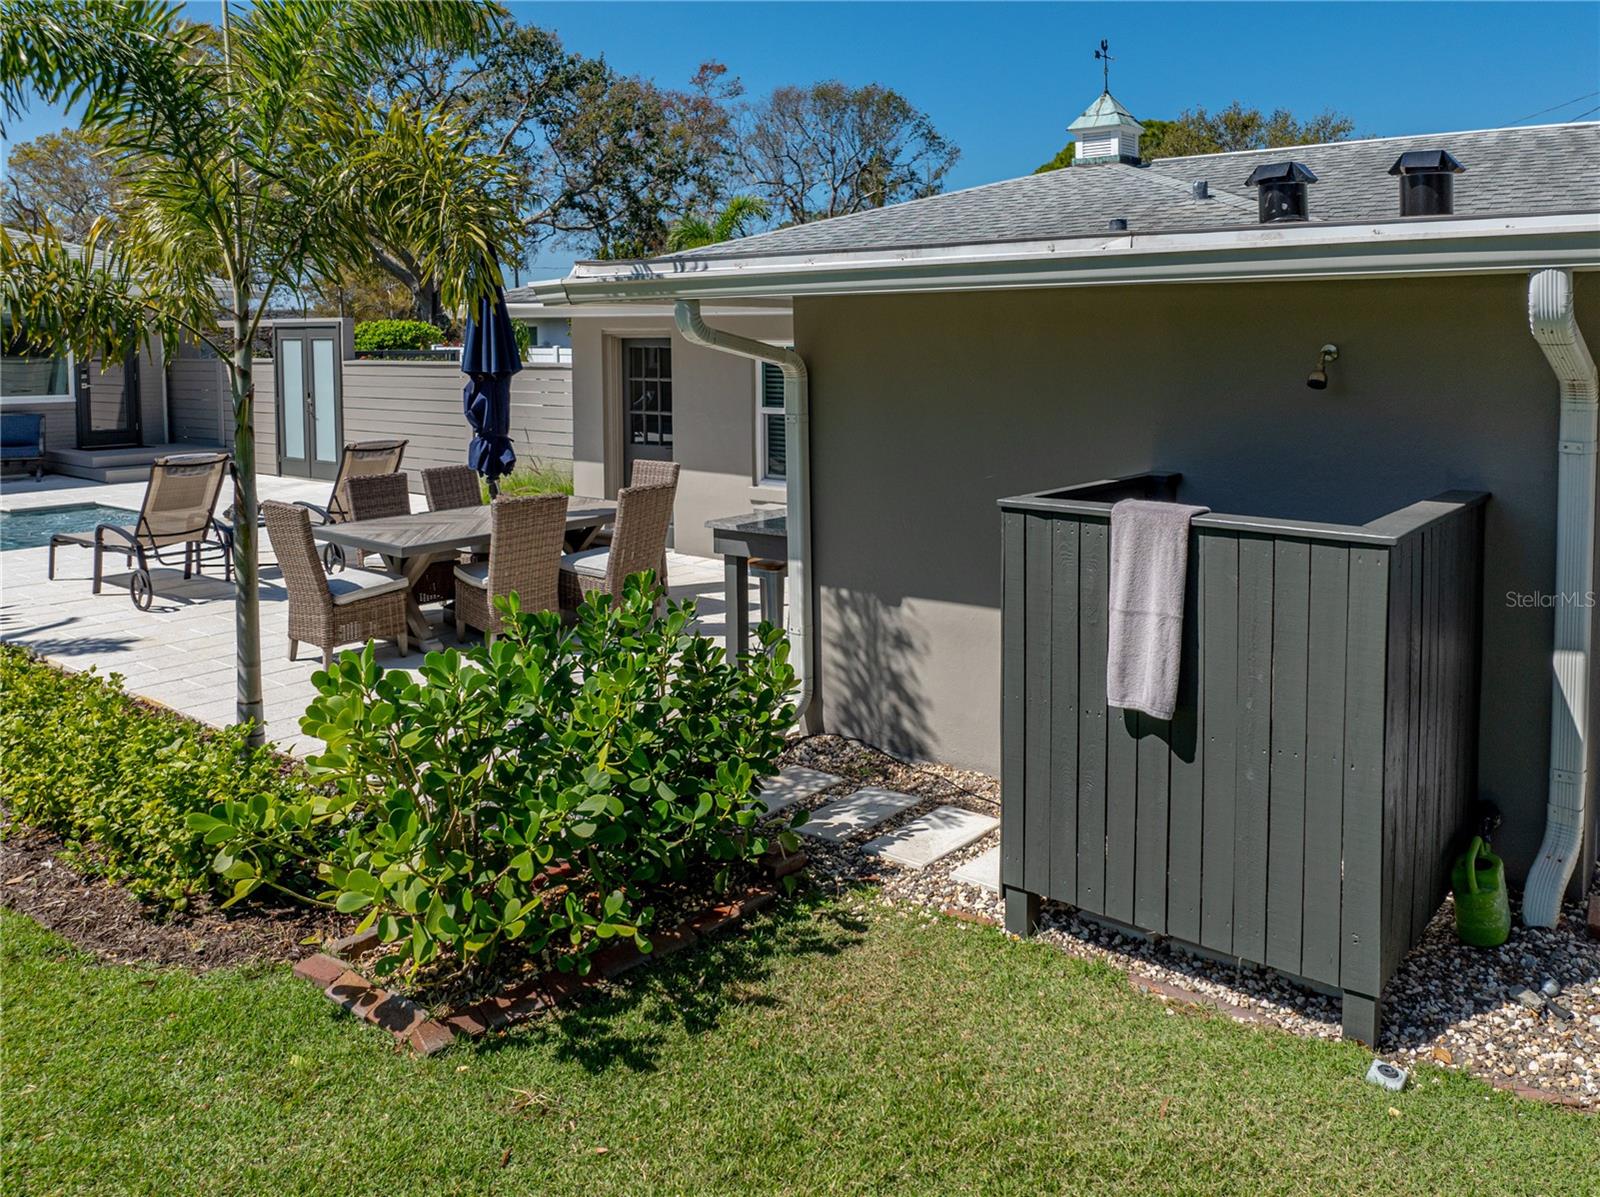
(839, 1047)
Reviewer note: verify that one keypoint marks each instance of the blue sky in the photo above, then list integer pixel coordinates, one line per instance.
(1003, 80)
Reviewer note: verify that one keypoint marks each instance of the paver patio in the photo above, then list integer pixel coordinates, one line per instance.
(181, 651)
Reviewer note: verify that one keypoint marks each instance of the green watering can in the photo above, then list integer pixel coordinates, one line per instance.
(1483, 915)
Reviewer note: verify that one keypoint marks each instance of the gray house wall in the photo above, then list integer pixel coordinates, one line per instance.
(927, 409)
(61, 414)
(713, 418)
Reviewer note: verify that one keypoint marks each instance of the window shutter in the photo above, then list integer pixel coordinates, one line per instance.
(774, 464)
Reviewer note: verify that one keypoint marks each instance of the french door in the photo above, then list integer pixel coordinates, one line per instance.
(310, 419)
(108, 405)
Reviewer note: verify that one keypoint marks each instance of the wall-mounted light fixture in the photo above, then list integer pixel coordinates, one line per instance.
(1318, 379)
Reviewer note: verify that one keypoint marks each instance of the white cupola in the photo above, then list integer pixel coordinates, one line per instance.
(1106, 132)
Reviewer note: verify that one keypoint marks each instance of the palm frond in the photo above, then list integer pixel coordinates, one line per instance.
(740, 211)
(689, 233)
(419, 185)
(93, 300)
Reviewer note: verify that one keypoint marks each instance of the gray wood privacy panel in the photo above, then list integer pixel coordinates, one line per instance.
(197, 392)
(1301, 807)
(421, 401)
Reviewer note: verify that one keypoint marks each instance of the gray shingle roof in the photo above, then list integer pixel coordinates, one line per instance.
(1550, 168)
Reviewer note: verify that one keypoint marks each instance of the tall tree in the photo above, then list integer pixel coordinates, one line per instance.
(66, 179)
(255, 172)
(603, 161)
(828, 149)
(1239, 128)
(1234, 128)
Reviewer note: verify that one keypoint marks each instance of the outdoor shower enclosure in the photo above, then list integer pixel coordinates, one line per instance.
(1300, 808)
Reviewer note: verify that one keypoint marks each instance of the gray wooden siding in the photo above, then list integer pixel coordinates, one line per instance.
(197, 393)
(1300, 808)
(265, 415)
(421, 401)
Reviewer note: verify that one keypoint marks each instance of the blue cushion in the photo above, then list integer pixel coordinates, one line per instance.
(21, 431)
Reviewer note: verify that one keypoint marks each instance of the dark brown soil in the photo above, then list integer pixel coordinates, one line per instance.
(106, 920)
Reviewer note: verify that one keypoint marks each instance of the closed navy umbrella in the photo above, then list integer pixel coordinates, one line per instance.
(489, 357)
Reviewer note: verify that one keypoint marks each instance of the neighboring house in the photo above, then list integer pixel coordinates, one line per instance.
(640, 390)
(1112, 318)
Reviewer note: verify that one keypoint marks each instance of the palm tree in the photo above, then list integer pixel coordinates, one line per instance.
(256, 163)
(693, 231)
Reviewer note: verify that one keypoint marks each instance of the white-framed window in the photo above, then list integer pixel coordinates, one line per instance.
(771, 449)
(27, 378)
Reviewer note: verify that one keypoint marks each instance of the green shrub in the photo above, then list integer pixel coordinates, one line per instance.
(625, 748)
(116, 779)
(375, 336)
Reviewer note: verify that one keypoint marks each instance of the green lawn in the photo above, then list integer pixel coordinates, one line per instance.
(836, 1048)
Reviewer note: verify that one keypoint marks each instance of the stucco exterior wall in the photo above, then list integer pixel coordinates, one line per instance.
(926, 409)
(714, 429)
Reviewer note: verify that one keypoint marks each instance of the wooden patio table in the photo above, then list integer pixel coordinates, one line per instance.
(409, 544)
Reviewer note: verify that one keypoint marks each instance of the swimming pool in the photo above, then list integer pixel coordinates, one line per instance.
(30, 529)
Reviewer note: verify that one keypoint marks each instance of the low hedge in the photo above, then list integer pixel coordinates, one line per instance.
(375, 336)
(117, 779)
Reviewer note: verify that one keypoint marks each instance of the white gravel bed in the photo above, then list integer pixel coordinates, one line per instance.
(1449, 1004)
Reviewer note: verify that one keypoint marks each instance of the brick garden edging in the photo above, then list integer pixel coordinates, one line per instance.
(523, 999)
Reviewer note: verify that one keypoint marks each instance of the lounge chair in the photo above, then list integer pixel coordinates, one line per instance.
(359, 459)
(379, 496)
(356, 605)
(450, 487)
(638, 543)
(178, 508)
(524, 559)
(22, 440)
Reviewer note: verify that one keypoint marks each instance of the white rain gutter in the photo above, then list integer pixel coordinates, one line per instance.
(1555, 328)
(1276, 252)
(801, 620)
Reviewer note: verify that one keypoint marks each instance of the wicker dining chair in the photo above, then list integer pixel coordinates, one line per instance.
(450, 487)
(524, 559)
(356, 605)
(638, 543)
(357, 460)
(647, 472)
(379, 496)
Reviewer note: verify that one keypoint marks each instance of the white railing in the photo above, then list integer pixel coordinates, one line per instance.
(549, 355)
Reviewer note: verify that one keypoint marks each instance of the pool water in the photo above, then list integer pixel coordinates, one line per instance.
(31, 529)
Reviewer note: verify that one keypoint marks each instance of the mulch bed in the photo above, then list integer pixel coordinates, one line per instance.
(106, 920)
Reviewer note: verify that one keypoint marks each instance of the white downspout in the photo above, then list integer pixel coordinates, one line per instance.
(801, 619)
(1555, 328)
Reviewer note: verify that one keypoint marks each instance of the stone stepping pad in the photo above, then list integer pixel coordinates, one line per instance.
(982, 871)
(866, 808)
(938, 833)
(793, 784)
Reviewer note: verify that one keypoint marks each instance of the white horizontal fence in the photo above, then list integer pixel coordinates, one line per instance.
(421, 401)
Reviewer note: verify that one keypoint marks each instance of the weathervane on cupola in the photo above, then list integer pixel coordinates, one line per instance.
(1103, 56)
(1106, 131)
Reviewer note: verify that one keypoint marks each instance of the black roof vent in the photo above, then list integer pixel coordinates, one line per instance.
(1281, 190)
(1200, 189)
(1427, 182)
(1118, 224)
